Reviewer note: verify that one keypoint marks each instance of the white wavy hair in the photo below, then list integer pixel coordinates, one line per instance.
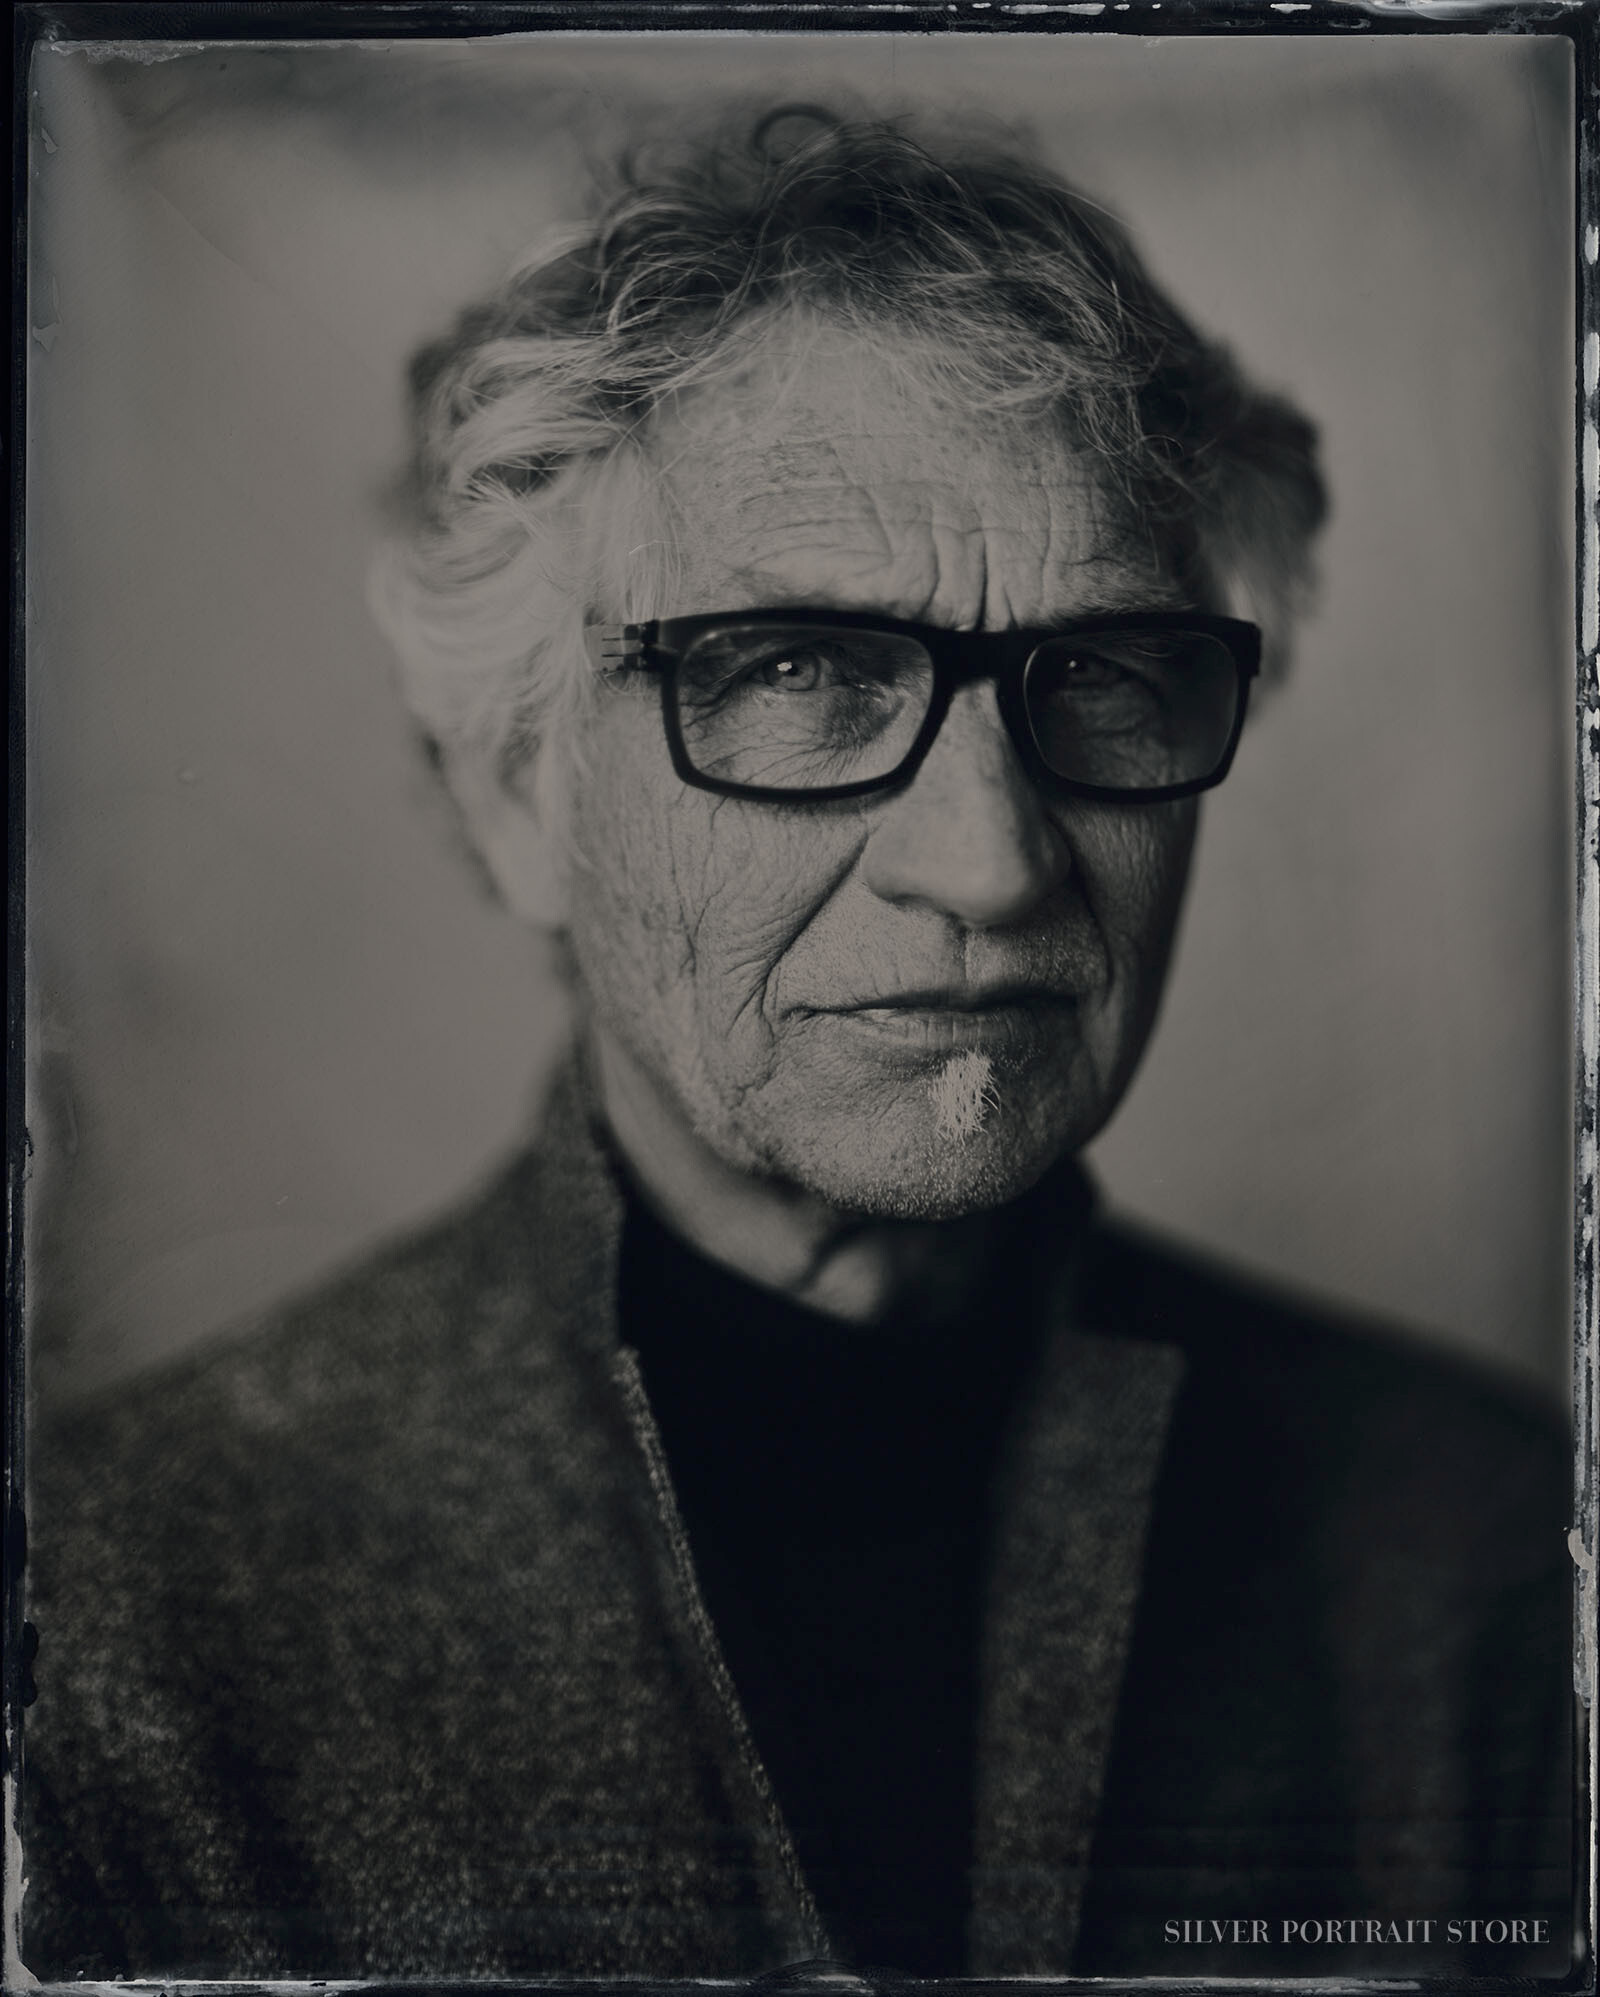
(522, 512)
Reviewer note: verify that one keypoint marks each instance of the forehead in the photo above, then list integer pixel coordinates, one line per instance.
(840, 475)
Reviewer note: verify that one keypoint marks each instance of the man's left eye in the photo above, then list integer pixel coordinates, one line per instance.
(799, 671)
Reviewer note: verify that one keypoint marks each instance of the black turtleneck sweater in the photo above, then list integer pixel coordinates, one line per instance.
(834, 1483)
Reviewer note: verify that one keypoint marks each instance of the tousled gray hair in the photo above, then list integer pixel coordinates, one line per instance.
(529, 415)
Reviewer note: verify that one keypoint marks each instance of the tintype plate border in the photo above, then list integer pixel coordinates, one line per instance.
(39, 23)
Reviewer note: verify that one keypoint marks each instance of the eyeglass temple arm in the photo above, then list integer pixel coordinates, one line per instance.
(612, 645)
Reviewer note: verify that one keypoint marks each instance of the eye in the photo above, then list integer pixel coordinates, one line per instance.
(768, 662)
(1110, 663)
(801, 669)
(1090, 675)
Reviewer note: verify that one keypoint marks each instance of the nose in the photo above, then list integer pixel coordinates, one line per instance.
(969, 836)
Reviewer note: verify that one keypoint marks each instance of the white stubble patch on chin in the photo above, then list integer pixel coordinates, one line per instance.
(963, 1093)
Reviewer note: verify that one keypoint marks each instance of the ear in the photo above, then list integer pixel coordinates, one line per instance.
(519, 826)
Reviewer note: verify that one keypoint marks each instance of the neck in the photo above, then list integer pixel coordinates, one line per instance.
(771, 1231)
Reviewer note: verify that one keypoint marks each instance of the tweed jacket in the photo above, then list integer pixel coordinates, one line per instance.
(369, 1644)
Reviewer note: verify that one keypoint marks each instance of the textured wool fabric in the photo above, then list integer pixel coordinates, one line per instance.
(1349, 1690)
(371, 1644)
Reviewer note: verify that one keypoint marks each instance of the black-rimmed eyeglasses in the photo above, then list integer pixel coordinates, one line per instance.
(821, 704)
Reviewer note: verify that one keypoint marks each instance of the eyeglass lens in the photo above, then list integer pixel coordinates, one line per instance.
(801, 707)
(806, 707)
(1132, 710)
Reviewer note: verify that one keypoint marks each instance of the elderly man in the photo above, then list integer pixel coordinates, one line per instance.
(783, 1519)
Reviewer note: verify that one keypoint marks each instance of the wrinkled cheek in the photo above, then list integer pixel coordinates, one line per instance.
(626, 932)
(742, 902)
(1172, 851)
(1135, 866)
(678, 931)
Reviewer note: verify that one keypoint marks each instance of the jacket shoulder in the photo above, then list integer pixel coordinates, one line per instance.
(1351, 1459)
(1296, 1360)
(289, 1585)
(376, 1364)
(1354, 1637)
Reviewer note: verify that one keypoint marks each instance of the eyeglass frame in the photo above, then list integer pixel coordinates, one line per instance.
(958, 658)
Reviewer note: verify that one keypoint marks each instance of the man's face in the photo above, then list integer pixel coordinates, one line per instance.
(908, 1004)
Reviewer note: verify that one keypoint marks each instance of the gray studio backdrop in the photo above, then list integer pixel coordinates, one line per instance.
(274, 1017)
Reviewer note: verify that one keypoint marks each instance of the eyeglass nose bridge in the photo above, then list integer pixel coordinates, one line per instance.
(955, 668)
(961, 659)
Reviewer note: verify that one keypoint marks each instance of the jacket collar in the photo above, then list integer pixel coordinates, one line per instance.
(1072, 1522)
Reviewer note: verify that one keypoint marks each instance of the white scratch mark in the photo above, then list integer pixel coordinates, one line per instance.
(18, 1974)
(1591, 506)
(963, 1093)
(46, 335)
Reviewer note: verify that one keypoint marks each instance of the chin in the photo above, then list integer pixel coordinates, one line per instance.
(925, 1164)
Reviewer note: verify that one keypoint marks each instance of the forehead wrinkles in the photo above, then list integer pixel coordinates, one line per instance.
(930, 521)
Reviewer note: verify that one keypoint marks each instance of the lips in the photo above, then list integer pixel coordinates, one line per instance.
(1002, 1020)
(957, 998)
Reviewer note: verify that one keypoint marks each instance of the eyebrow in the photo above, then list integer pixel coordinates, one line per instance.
(1123, 594)
(1114, 602)
(1164, 596)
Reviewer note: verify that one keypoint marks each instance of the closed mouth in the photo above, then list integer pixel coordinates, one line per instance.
(937, 1000)
(1002, 1020)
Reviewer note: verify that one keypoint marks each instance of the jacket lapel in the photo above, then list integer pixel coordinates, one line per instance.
(1073, 1516)
(733, 1825)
